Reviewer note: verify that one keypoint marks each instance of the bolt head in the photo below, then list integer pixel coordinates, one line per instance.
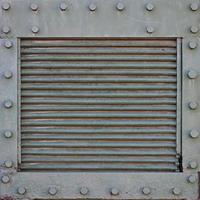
(8, 104)
(120, 6)
(21, 190)
(5, 29)
(194, 29)
(5, 179)
(8, 74)
(5, 6)
(114, 191)
(192, 45)
(8, 44)
(35, 29)
(92, 7)
(194, 133)
(84, 190)
(63, 6)
(194, 6)
(52, 190)
(8, 163)
(192, 179)
(193, 105)
(149, 6)
(146, 190)
(192, 164)
(8, 134)
(34, 7)
(150, 29)
(192, 74)
(176, 191)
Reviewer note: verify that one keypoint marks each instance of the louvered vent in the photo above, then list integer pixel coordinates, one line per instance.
(99, 104)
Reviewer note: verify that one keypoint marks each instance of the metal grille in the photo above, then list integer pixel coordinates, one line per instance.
(99, 104)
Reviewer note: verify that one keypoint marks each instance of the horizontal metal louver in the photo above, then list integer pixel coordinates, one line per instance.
(99, 104)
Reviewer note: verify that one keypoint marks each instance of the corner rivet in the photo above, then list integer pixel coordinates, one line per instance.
(34, 7)
(5, 6)
(120, 6)
(194, 6)
(63, 6)
(8, 134)
(176, 191)
(193, 105)
(114, 191)
(8, 44)
(84, 190)
(192, 179)
(192, 74)
(149, 6)
(7, 74)
(8, 163)
(5, 29)
(192, 45)
(8, 104)
(192, 164)
(52, 191)
(150, 29)
(92, 7)
(146, 190)
(21, 190)
(35, 29)
(5, 179)
(194, 29)
(194, 133)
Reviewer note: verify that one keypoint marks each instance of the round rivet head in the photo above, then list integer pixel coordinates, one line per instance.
(8, 44)
(52, 190)
(8, 104)
(63, 6)
(192, 164)
(193, 105)
(92, 7)
(5, 179)
(194, 29)
(146, 190)
(5, 29)
(35, 29)
(34, 7)
(192, 45)
(150, 29)
(176, 191)
(194, 133)
(120, 6)
(192, 179)
(192, 74)
(8, 163)
(8, 74)
(149, 6)
(8, 134)
(84, 190)
(21, 190)
(194, 6)
(114, 191)
(5, 6)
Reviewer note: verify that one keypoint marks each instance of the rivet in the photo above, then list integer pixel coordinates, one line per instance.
(84, 190)
(35, 29)
(192, 74)
(6, 29)
(92, 7)
(8, 104)
(192, 179)
(194, 6)
(192, 45)
(8, 163)
(150, 29)
(194, 29)
(34, 7)
(52, 190)
(194, 133)
(21, 190)
(8, 134)
(146, 190)
(193, 105)
(8, 74)
(149, 6)
(5, 6)
(192, 164)
(176, 191)
(114, 191)
(63, 6)
(120, 6)
(5, 179)
(8, 44)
